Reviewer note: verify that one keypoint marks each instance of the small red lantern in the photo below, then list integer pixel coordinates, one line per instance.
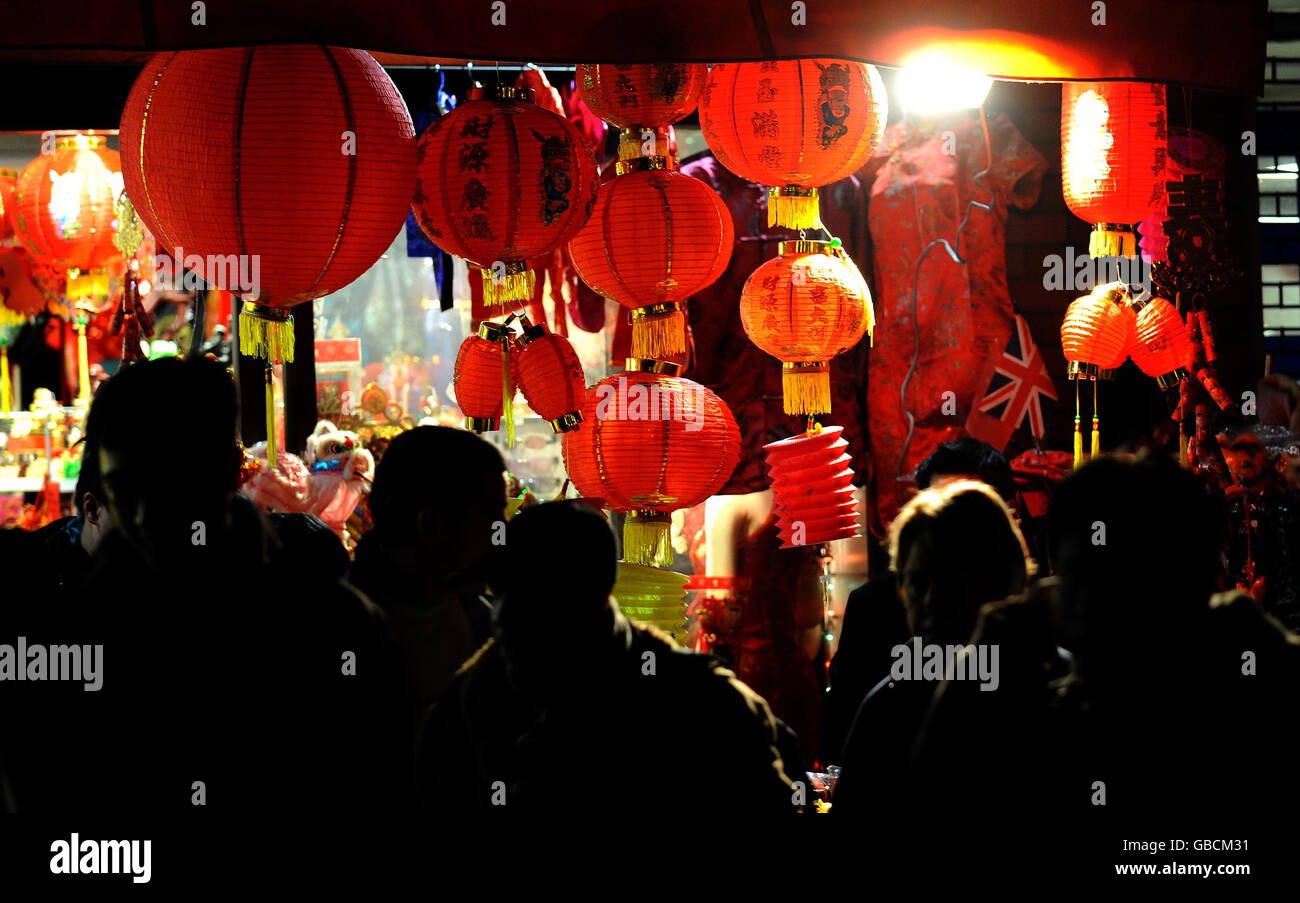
(501, 182)
(652, 442)
(1160, 346)
(482, 380)
(1113, 146)
(640, 98)
(655, 238)
(550, 375)
(280, 173)
(8, 204)
(1095, 337)
(812, 486)
(795, 125)
(64, 212)
(803, 307)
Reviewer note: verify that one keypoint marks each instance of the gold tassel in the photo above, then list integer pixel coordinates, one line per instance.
(1182, 448)
(1078, 431)
(806, 391)
(270, 416)
(83, 361)
(1096, 424)
(648, 540)
(510, 287)
(659, 336)
(6, 391)
(267, 337)
(794, 211)
(507, 396)
(1109, 243)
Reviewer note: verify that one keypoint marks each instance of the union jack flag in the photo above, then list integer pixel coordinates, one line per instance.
(1014, 384)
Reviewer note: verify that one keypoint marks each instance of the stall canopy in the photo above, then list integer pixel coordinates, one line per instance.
(1217, 44)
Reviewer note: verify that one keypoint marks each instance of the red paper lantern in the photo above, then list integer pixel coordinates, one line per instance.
(795, 125)
(655, 238)
(812, 486)
(1160, 346)
(803, 307)
(501, 182)
(652, 442)
(1113, 144)
(641, 97)
(8, 204)
(550, 375)
(1096, 333)
(280, 173)
(64, 211)
(481, 377)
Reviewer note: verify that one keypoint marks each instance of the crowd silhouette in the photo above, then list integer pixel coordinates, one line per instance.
(464, 663)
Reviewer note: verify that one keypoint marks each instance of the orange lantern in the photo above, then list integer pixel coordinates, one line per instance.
(803, 307)
(652, 442)
(482, 381)
(641, 98)
(550, 375)
(655, 238)
(501, 182)
(8, 200)
(812, 487)
(795, 125)
(1160, 346)
(1113, 145)
(1095, 337)
(64, 212)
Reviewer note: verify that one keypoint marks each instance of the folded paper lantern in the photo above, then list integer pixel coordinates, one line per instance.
(795, 125)
(281, 173)
(653, 596)
(482, 379)
(500, 182)
(1160, 345)
(641, 98)
(803, 307)
(63, 212)
(812, 487)
(651, 442)
(550, 375)
(1113, 146)
(655, 238)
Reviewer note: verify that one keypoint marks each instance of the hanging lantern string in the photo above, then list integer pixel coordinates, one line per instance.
(954, 251)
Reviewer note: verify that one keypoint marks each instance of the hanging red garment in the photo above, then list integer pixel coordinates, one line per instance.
(920, 193)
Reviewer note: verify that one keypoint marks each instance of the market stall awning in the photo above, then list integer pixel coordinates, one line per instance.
(1215, 44)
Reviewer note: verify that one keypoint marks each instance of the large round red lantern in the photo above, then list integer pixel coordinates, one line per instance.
(1113, 145)
(803, 307)
(279, 173)
(64, 211)
(481, 379)
(640, 98)
(501, 182)
(8, 202)
(795, 125)
(651, 442)
(1161, 346)
(550, 375)
(655, 238)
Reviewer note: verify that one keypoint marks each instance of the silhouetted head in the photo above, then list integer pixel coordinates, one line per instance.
(308, 545)
(556, 574)
(169, 462)
(1136, 547)
(967, 459)
(956, 548)
(88, 497)
(439, 492)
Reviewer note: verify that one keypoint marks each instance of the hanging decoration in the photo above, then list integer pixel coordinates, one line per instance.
(550, 376)
(8, 205)
(1161, 347)
(812, 486)
(653, 596)
(803, 307)
(642, 99)
(1113, 146)
(794, 125)
(482, 380)
(655, 237)
(1096, 334)
(651, 442)
(502, 181)
(130, 320)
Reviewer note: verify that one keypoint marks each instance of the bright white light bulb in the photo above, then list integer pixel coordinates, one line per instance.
(932, 83)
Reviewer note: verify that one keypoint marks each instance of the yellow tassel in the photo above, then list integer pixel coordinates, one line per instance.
(6, 391)
(508, 397)
(794, 211)
(511, 287)
(266, 337)
(1108, 243)
(91, 283)
(657, 337)
(1182, 449)
(270, 416)
(648, 541)
(1078, 444)
(806, 391)
(1096, 437)
(83, 362)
